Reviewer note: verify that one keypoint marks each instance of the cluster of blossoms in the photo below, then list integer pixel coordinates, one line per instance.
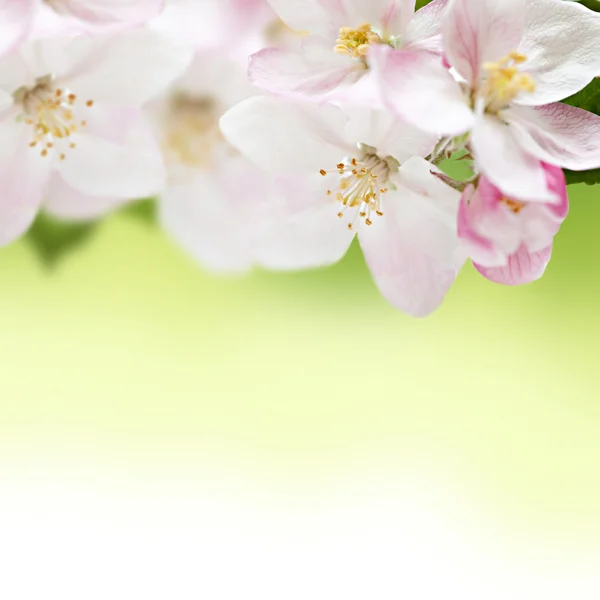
(337, 126)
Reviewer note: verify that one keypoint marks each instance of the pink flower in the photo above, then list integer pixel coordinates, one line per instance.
(515, 59)
(335, 54)
(508, 239)
(360, 175)
(70, 117)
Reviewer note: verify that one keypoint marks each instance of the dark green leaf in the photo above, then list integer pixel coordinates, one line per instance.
(53, 240)
(591, 4)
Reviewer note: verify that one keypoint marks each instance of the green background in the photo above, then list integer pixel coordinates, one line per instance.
(128, 347)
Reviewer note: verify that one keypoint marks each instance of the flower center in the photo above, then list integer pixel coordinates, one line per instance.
(356, 42)
(362, 183)
(513, 205)
(50, 111)
(192, 129)
(504, 81)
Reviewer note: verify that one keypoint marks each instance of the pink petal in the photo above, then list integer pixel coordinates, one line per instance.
(522, 267)
(558, 134)
(293, 74)
(504, 161)
(478, 247)
(561, 42)
(24, 175)
(417, 88)
(478, 31)
(16, 18)
(67, 203)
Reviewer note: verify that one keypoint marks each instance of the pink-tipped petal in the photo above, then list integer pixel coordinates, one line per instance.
(522, 267)
(295, 74)
(504, 161)
(561, 43)
(478, 31)
(417, 88)
(559, 134)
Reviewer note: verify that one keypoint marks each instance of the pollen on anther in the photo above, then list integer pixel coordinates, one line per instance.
(89, 103)
(323, 172)
(44, 152)
(62, 157)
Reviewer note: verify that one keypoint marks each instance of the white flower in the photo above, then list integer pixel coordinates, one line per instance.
(361, 175)
(71, 115)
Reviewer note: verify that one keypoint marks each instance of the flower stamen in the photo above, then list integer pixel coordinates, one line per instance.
(356, 42)
(50, 113)
(362, 184)
(504, 81)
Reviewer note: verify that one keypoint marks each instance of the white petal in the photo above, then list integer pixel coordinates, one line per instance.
(287, 137)
(124, 12)
(426, 27)
(478, 31)
(127, 69)
(561, 43)
(23, 178)
(303, 229)
(507, 165)
(215, 216)
(558, 134)
(116, 155)
(390, 135)
(305, 16)
(16, 18)
(65, 202)
(413, 250)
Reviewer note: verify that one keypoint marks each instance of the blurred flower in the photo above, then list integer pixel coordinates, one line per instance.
(514, 61)
(336, 54)
(214, 196)
(361, 175)
(510, 240)
(70, 118)
(42, 18)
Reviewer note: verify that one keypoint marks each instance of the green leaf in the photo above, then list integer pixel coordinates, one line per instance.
(54, 240)
(591, 4)
(588, 99)
(144, 210)
(421, 4)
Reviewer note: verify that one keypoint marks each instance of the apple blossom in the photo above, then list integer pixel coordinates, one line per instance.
(508, 239)
(514, 60)
(362, 174)
(212, 202)
(335, 54)
(70, 111)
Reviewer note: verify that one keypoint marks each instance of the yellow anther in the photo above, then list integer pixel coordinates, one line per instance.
(504, 81)
(356, 42)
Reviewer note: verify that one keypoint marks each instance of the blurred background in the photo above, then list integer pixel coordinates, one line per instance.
(168, 434)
